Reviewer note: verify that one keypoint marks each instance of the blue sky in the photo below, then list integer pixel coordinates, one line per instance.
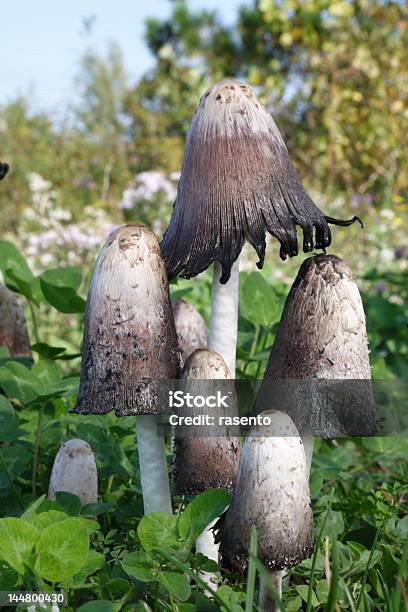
(41, 42)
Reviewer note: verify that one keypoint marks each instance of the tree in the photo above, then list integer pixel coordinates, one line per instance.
(333, 72)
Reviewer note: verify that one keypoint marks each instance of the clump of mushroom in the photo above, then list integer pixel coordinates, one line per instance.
(74, 471)
(130, 347)
(190, 327)
(237, 182)
(13, 327)
(272, 493)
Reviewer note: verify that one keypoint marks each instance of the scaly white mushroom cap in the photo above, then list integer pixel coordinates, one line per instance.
(190, 327)
(322, 335)
(74, 471)
(237, 182)
(130, 340)
(272, 493)
(210, 461)
(13, 327)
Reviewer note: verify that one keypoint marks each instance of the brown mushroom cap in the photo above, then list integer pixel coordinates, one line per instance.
(237, 182)
(322, 335)
(210, 461)
(13, 327)
(130, 340)
(190, 327)
(272, 493)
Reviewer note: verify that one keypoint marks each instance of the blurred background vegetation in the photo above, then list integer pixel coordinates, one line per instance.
(334, 74)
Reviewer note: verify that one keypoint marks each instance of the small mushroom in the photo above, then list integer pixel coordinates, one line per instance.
(237, 182)
(190, 327)
(4, 168)
(130, 347)
(74, 471)
(272, 493)
(322, 335)
(209, 461)
(13, 327)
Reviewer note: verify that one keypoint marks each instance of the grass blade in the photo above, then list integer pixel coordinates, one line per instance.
(335, 575)
(253, 551)
(314, 558)
(364, 580)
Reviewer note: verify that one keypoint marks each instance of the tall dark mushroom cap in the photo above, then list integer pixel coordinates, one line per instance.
(4, 168)
(322, 335)
(237, 182)
(13, 327)
(210, 461)
(130, 341)
(272, 493)
(190, 327)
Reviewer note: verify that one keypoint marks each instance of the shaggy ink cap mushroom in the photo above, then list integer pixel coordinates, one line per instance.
(322, 335)
(4, 168)
(74, 471)
(130, 341)
(13, 327)
(272, 493)
(190, 328)
(237, 182)
(211, 460)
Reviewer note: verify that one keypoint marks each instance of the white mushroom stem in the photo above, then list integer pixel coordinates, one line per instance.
(153, 466)
(206, 546)
(266, 602)
(224, 316)
(222, 340)
(308, 443)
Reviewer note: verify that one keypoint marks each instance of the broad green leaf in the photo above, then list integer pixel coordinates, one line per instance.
(98, 606)
(176, 584)
(139, 565)
(17, 540)
(91, 510)
(303, 591)
(70, 503)
(8, 419)
(31, 511)
(8, 577)
(17, 458)
(46, 351)
(322, 591)
(63, 277)
(205, 564)
(62, 550)
(16, 271)
(59, 287)
(45, 519)
(95, 561)
(402, 527)
(21, 383)
(258, 302)
(158, 530)
(202, 511)
(230, 599)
